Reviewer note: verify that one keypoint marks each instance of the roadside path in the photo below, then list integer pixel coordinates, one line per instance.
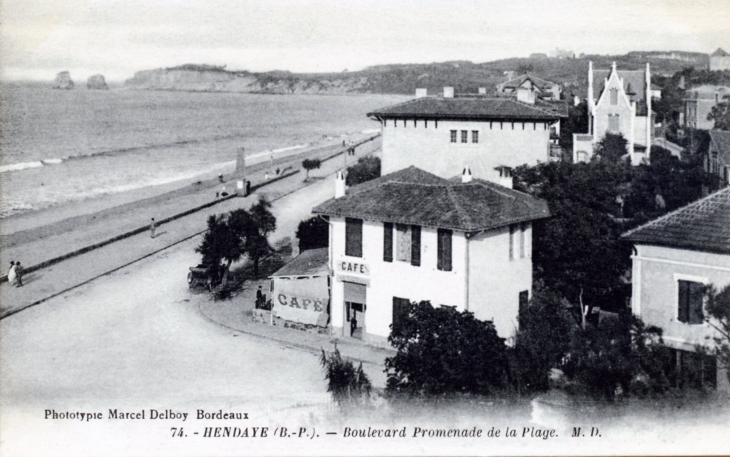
(48, 282)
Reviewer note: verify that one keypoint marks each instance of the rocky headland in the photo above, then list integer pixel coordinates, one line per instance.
(63, 81)
(96, 82)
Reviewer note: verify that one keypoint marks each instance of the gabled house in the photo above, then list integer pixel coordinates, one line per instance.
(411, 236)
(545, 90)
(675, 258)
(719, 60)
(699, 103)
(619, 101)
(717, 159)
(443, 135)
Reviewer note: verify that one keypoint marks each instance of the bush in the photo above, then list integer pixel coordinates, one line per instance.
(313, 233)
(541, 343)
(346, 383)
(442, 351)
(620, 357)
(365, 169)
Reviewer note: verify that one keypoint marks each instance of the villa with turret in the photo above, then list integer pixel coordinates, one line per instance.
(619, 101)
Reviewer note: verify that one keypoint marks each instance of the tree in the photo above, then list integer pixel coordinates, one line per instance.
(311, 164)
(611, 148)
(365, 169)
(220, 242)
(718, 316)
(620, 357)
(442, 350)
(720, 113)
(577, 122)
(313, 233)
(542, 341)
(262, 223)
(346, 383)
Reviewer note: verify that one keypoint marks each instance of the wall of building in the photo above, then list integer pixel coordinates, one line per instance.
(496, 280)
(719, 63)
(656, 271)
(396, 279)
(429, 147)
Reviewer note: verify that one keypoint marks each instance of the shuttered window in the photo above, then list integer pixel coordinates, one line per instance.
(403, 242)
(400, 312)
(511, 242)
(690, 302)
(464, 136)
(444, 249)
(523, 229)
(453, 136)
(387, 242)
(613, 122)
(353, 237)
(614, 96)
(415, 245)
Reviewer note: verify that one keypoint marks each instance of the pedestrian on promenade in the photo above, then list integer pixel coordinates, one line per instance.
(248, 187)
(277, 171)
(18, 274)
(259, 298)
(220, 177)
(353, 323)
(153, 226)
(266, 176)
(12, 274)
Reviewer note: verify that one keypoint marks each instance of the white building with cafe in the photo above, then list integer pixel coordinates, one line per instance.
(412, 236)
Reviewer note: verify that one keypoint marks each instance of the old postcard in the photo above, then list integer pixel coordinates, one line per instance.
(364, 227)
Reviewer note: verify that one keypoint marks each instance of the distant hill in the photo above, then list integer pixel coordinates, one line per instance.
(464, 76)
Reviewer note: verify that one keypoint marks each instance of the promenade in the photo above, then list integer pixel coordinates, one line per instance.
(37, 245)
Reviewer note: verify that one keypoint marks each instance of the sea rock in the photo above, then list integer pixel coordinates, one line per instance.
(96, 82)
(63, 81)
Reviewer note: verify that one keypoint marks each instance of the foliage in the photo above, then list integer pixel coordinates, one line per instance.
(442, 350)
(365, 169)
(311, 164)
(313, 233)
(577, 252)
(239, 232)
(577, 122)
(611, 148)
(620, 357)
(720, 113)
(541, 342)
(220, 243)
(346, 383)
(718, 316)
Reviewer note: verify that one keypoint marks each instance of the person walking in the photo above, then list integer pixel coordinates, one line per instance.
(18, 274)
(259, 298)
(12, 274)
(153, 226)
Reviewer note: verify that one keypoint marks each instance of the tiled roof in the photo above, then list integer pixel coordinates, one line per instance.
(720, 53)
(436, 202)
(634, 82)
(720, 142)
(313, 262)
(700, 226)
(474, 108)
(539, 82)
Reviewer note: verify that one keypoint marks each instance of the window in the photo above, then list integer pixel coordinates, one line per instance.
(614, 96)
(511, 242)
(690, 302)
(444, 249)
(453, 136)
(613, 122)
(388, 242)
(464, 136)
(523, 229)
(403, 242)
(400, 312)
(475, 136)
(695, 369)
(408, 243)
(353, 237)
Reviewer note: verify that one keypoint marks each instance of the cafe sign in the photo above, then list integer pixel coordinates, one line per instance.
(347, 266)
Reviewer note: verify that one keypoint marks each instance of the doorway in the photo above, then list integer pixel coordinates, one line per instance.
(355, 309)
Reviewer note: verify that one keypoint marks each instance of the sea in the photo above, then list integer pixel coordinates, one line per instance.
(61, 146)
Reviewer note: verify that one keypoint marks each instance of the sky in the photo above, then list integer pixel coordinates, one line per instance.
(39, 38)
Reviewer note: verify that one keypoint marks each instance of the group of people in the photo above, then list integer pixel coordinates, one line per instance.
(351, 148)
(15, 274)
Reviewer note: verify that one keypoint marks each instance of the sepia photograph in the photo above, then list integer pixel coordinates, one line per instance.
(364, 227)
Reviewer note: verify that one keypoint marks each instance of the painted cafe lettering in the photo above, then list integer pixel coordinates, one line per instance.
(353, 267)
(315, 305)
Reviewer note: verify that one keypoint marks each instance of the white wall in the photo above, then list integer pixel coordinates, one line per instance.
(430, 148)
(495, 280)
(397, 278)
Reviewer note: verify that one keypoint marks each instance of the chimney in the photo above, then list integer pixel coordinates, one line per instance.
(448, 92)
(482, 91)
(420, 93)
(505, 176)
(340, 184)
(466, 175)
